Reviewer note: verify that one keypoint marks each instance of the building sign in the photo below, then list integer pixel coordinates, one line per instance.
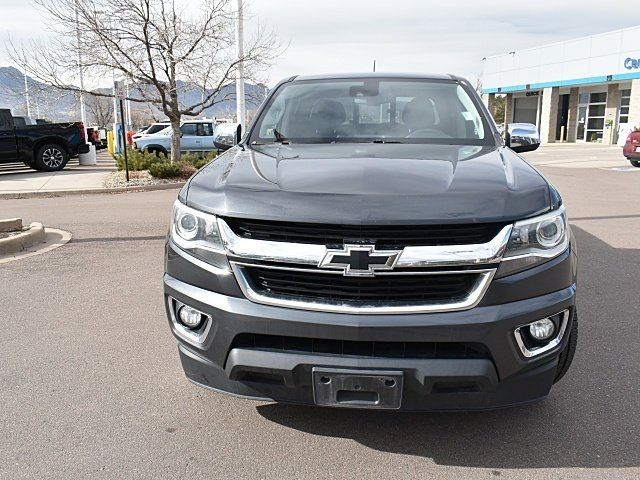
(533, 93)
(632, 63)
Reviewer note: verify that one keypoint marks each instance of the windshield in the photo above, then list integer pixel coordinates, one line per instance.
(156, 127)
(372, 110)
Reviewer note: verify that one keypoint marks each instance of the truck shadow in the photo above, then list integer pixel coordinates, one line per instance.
(590, 419)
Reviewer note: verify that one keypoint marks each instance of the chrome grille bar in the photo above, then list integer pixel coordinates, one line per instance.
(411, 257)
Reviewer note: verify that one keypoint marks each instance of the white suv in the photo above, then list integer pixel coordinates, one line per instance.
(195, 136)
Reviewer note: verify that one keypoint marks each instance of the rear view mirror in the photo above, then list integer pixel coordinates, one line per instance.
(522, 137)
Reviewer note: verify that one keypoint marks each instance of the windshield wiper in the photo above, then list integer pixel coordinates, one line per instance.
(280, 138)
(382, 140)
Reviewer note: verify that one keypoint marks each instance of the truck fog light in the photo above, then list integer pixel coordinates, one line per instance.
(542, 329)
(190, 317)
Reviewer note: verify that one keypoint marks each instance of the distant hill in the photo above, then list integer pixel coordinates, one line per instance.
(55, 105)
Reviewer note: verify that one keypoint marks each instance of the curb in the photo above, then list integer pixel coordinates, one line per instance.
(22, 241)
(10, 225)
(54, 238)
(90, 191)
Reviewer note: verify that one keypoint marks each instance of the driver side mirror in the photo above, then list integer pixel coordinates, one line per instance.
(521, 137)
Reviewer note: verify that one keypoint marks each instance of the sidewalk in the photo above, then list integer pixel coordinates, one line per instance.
(15, 179)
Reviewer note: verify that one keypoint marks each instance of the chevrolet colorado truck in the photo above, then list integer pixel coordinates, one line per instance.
(373, 242)
(46, 147)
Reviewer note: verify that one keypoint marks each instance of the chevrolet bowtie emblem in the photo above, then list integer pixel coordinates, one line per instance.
(359, 260)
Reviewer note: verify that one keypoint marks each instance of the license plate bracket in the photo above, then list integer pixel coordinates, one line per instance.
(637, 149)
(376, 389)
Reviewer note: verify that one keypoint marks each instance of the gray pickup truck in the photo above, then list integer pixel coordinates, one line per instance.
(373, 242)
(46, 147)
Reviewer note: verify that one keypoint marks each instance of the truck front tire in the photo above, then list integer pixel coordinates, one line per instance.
(51, 157)
(635, 163)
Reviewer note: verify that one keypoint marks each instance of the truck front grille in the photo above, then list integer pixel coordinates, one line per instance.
(383, 236)
(382, 289)
(326, 346)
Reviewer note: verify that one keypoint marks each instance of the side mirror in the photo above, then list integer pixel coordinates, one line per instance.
(227, 135)
(522, 137)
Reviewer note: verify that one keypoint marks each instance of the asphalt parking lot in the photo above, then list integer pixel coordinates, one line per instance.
(91, 385)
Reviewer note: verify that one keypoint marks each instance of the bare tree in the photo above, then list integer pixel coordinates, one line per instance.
(144, 115)
(176, 59)
(100, 110)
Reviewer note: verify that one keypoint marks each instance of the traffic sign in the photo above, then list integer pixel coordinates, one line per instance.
(121, 90)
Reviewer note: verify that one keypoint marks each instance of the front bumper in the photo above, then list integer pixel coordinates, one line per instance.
(505, 378)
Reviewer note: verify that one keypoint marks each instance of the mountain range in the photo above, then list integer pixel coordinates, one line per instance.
(56, 105)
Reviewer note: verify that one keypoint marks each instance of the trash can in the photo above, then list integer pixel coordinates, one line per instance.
(89, 158)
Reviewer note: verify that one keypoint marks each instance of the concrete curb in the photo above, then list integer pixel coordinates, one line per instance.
(90, 191)
(54, 238)
(23, 240)
(10, 225)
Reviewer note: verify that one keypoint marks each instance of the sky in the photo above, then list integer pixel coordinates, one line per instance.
(431, 36)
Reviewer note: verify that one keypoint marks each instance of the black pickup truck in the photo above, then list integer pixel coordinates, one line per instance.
(41, 147)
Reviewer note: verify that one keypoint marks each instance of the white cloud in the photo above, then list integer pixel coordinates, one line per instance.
(402, 35)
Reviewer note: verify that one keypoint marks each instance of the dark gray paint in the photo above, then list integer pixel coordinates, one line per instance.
(370, 184)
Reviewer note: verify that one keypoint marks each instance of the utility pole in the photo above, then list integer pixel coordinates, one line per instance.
(240, 104)
(26, 93)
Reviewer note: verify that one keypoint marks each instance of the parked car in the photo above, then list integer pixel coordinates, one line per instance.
(195, 136)
(41, 147)
(23, 120)
(373, 242)
(97, 136)
(151, 130)
(631, 148)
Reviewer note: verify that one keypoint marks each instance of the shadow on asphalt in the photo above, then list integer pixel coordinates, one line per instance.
(589, 420)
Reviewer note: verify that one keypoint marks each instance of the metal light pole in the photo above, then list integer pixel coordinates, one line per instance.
(240, 103)
(128, 107)
(83, 116)
(26, 93)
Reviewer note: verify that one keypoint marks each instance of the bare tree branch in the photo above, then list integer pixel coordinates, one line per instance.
(164, 52)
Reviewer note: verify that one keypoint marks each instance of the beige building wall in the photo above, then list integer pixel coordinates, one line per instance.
(634, 103)
(611, 114)
(549, 114)
(508, 108)
(572, 120)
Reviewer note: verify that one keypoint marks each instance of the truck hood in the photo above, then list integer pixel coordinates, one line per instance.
(370, 184)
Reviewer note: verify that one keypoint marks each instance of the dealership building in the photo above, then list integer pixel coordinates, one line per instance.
(582, 90)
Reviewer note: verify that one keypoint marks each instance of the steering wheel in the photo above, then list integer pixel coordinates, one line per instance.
(433, 131)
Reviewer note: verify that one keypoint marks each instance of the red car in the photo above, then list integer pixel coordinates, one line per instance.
(631, 149)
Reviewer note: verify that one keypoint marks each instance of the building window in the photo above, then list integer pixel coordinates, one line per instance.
(623, 111)
(591, 113)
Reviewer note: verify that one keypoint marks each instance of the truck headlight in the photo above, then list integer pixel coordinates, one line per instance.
(534, 241)
(196, 232)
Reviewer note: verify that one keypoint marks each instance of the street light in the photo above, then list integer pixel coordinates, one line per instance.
(83, 116)
(240, 104)
(26, 93)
